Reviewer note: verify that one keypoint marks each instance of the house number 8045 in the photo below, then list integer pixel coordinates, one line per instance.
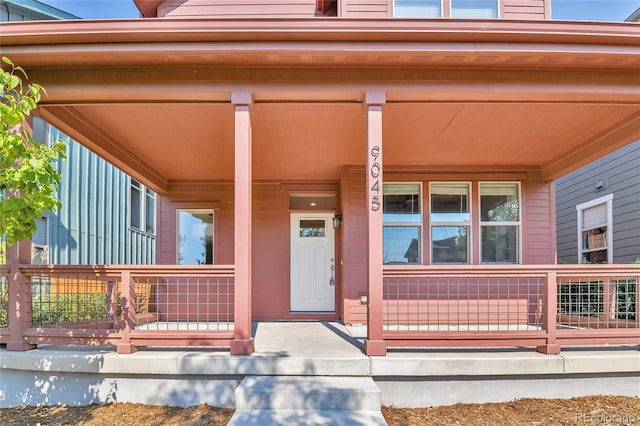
(374, 171)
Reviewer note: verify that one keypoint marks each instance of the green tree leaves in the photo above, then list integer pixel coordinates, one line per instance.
(28, 179)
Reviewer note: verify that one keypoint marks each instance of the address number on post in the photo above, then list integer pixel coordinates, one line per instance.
(374, 171)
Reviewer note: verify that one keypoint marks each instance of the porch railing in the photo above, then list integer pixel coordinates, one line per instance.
(515, 305)
(548, 305)
(131, 305)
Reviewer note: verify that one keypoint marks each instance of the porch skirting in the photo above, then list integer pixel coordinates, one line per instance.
(54, 375)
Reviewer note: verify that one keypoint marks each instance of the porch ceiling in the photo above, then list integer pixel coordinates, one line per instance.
(179, 142)
(153, 96)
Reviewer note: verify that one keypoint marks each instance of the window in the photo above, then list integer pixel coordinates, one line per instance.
(136, 204)
(313, 228)
(434, 8)
(477, 9)
(142, 213)
(500, 222)
(450, 222)
(417, 8)
(195, 237)
(402, 220)
(150, 209)
(40, 243)
(595, 242)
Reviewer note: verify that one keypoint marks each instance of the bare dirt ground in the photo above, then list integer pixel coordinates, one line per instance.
(595, 410)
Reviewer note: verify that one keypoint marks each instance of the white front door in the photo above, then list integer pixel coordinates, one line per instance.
(312, 262)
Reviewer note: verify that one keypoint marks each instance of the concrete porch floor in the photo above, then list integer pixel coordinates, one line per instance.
(77, 375)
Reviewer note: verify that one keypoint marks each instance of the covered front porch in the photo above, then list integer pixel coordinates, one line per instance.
(236, 118)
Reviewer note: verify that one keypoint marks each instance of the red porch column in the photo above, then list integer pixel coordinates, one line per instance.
(374, 345)
(128, 320)
(242, 343)
(550, 315)
(19, 309)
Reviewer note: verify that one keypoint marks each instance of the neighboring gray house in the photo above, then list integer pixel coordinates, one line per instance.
(106, 217)
(598, 210)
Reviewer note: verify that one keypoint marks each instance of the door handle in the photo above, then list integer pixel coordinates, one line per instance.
(332, 280)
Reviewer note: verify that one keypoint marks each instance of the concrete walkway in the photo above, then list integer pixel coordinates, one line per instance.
(411, 377)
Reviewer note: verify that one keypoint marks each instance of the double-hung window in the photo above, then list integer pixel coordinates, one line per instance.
(450, 222)
(142, 210)
(402, 223)
(500, 222)
(594, 230)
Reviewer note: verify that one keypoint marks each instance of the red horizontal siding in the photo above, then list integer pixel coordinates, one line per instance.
(366, 8)
(239, 8)
(523, 9)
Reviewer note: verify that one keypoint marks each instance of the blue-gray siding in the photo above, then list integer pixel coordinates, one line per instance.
(93, 225)
(620, 171)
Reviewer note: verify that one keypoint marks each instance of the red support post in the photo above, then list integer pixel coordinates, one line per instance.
(375, 344)
(242, 343)
(128, 315)
(550, 315)
(19, 288)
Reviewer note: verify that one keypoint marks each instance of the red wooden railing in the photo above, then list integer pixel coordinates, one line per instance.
(130, 306)
(545, 306)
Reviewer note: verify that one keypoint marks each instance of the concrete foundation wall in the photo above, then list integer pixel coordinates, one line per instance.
(19, 387)
(446, 390)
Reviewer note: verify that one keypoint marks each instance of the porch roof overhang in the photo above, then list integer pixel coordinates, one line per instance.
(153, 96)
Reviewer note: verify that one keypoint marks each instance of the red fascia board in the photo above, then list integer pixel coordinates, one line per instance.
(316, 29)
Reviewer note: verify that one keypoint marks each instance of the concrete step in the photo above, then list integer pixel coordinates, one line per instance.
(307, 393)
(307, 418)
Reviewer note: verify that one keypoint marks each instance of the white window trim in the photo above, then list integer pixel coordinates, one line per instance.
(469, 224)
(143, 208)
(485, 223)
(213, 231)
(451, 10)
(393, 9)
(605, 199)
(44, 247)
(419, 224)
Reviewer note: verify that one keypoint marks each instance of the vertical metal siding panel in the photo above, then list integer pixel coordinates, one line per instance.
(92, 225)
(108, 219)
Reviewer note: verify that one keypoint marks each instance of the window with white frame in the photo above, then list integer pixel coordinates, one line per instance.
(417, 8)
(476, 9)
(195, 237)
(142, 207)
(40, 243)
(402, 220)
(595, 238)
(450, 222)
(500, 222)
